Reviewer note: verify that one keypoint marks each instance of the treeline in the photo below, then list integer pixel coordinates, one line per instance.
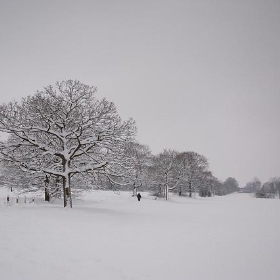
(267, 189)
(64, 138)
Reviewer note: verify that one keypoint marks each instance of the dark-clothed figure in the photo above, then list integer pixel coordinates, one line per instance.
(139, 196)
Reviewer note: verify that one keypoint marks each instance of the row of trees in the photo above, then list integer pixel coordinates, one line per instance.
(63, 136)
(266, 190)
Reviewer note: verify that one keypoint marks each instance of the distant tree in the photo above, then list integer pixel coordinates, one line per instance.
(207, 184)
(253, 186)
(193, 168)
(266, 191)
(230, 185)
(269, 189)
(217, 188)
(141, 158)
(275, 182)
(172, 170)
(256, 183)
(69, 132)
(162, 174)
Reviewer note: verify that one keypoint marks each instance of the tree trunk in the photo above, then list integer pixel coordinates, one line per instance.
(190, 189)
(64, 192)
(69, 190)
(180, 191)
(166, 192)
(134, 190)
(166, 187)
(47, 194)
(67, 197)
(47, 191)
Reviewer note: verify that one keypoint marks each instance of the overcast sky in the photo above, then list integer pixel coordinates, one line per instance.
(199, 76)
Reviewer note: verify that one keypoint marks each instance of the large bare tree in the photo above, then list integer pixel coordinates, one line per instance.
(69, 131)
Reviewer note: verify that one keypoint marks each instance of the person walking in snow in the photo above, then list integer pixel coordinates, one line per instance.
(139, 196)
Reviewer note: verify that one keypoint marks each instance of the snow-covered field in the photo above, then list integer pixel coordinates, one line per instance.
(111, 237)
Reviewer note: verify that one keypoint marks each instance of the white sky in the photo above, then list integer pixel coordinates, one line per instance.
(195, 75)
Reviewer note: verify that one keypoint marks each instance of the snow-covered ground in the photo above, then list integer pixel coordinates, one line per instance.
(111, 237)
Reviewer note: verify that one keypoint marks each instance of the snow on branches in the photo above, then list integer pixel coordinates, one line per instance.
(65, 130)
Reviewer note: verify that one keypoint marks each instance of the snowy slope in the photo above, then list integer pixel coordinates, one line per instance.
(112, 237)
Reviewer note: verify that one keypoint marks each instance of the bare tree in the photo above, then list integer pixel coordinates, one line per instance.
(172, 170)
(161, 172)
(275, 182)
(69, 132)
(207, 184)
(141, 156)
(253, 186)
(193, 166)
